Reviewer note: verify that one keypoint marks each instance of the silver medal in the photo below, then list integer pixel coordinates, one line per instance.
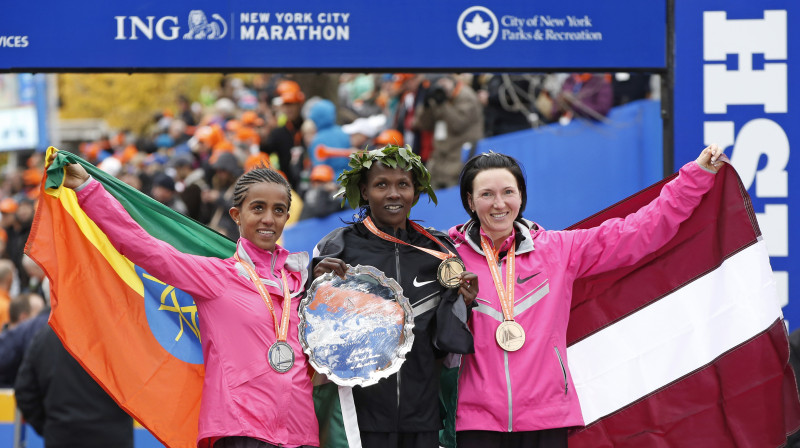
(281, 357)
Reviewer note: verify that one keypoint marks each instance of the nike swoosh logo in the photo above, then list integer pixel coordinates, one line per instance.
(523, 280)
(418, 284)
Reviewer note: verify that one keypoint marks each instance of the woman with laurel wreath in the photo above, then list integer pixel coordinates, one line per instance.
(384, 184)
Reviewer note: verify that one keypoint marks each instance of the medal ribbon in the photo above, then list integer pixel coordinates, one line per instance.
(383, 235)
(506, 294)
(281, 331)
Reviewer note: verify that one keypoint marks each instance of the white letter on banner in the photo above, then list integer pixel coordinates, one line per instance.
(782, 286)
(763, 136)
(173, 29)
(757, 137)
(774, 224)
(120, 27)
(744, 38)
(146, 29)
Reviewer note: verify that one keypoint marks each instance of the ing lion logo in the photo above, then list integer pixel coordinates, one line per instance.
(201, 29)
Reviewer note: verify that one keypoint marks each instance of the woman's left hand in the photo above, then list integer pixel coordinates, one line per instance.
(468, 287)
(711, 158)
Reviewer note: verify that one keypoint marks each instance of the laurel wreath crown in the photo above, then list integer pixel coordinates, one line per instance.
(392, 156)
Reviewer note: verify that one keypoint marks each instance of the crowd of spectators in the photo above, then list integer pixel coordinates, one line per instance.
(190, 157)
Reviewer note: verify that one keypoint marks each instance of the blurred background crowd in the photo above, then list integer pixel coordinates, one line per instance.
(189, 154)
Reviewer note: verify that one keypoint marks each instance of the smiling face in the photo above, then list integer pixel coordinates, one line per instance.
(390, 193)
(496, 200)
(263, 213)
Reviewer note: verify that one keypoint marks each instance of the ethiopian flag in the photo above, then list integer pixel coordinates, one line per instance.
(137, 336)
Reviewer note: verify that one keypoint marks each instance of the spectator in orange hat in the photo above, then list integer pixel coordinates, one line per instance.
(206, 139)
(282, 139)
(232, 127)
(318, 201)
(8, 206)
(247, 137)
(250, 118)
(389, 137)
(259, 160)
(223, 146)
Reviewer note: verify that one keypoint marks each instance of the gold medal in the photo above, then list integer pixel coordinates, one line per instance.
(449, 273)
(510, 336)
(451, 267)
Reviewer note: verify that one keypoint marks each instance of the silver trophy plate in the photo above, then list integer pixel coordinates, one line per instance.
(356, 330)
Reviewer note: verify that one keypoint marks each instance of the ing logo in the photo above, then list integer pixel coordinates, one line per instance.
(172, 317)
(477, 27)
(168, 27)
(200, 28)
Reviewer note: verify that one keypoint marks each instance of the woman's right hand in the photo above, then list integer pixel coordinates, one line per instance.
(334, 265)
(74, 174)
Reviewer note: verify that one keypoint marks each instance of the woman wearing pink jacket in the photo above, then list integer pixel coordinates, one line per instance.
(257, 391)
(516, 389)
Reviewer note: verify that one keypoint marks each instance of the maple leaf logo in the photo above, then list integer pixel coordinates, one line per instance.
(477, 27)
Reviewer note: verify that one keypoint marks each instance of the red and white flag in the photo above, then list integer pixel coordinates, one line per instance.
(688, 347)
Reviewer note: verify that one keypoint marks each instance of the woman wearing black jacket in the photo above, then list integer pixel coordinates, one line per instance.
(403, 409)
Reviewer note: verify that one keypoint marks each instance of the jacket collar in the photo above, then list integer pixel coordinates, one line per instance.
(470, 232)
(255, 256)
(401, 234)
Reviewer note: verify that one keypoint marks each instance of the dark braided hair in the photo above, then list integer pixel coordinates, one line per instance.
(256, 176)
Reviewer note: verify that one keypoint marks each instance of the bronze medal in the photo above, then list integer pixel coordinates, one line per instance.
(281, 357)
(449, 273)
(510, 336)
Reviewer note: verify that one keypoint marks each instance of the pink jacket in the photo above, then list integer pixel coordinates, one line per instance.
(242, 395)
(531, 389)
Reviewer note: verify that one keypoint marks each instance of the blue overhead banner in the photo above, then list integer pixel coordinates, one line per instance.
(51, 35)
(733, 63)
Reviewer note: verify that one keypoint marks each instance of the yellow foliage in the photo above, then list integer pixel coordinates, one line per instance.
(128, 101)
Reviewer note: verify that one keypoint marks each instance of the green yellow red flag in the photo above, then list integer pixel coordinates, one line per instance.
(137, 336)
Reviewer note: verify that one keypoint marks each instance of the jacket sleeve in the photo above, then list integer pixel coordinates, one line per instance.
(621, 242)
(330, 246)
(201, 277)
(452, 333)
(31, 384)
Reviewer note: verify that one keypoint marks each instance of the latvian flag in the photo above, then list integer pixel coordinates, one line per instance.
(687, 348)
